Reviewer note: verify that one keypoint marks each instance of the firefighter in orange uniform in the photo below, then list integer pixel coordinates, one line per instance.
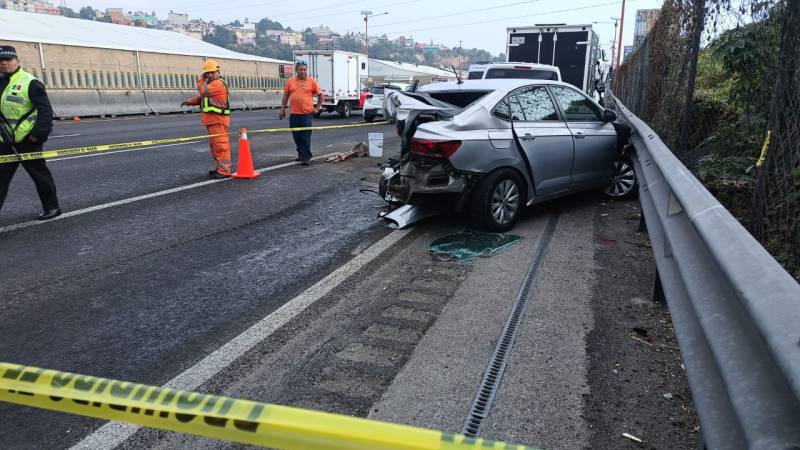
(215, 102)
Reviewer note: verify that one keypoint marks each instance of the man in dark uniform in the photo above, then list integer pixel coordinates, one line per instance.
(26, 118)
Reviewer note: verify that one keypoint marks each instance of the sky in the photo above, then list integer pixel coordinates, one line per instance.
(470, 23)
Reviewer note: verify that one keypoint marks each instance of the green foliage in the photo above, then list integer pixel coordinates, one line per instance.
(221, 36)
(266, 24)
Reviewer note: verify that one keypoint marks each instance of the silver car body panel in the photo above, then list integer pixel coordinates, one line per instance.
(557, 157)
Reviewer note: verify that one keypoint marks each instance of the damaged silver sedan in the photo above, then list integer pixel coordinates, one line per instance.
(491, 147)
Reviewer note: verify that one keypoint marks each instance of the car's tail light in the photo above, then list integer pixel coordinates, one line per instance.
(523, 67)
(434, 149)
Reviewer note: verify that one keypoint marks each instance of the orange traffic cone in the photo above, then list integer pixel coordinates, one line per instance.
(244, 168)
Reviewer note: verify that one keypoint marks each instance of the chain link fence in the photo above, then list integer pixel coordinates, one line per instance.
(719, 81)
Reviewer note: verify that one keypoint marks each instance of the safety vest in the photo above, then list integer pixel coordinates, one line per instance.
(211, 105)
(17, 108)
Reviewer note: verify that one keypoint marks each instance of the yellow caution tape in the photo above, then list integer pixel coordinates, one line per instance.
(47, 154)
(216, 417)
(764, 149)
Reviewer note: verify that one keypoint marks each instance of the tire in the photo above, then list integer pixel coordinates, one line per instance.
(369, 118)
(344, 110)
(497, 200)
(624, 184)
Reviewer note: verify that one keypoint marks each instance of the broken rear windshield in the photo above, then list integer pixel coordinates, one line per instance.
(461, 99)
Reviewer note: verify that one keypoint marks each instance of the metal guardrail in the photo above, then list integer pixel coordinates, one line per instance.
(735, 310)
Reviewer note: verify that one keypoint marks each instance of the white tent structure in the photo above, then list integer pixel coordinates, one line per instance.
(380, 70)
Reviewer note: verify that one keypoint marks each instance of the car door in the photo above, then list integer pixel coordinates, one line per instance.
(545, 139)
(595, 140)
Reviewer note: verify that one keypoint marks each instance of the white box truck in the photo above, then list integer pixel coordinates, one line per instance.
(340, 75)
(574, 49)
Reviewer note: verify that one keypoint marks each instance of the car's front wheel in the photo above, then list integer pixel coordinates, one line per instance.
(623, 184)
(498, 200)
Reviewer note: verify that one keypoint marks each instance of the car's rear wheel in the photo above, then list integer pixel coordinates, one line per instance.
(498, 200)
(623, 184)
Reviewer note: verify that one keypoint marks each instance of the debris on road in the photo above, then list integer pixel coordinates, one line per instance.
(642, 340)
(467, 245)
(631, 437)
(407, 215)
(359, 150)
(668, 396)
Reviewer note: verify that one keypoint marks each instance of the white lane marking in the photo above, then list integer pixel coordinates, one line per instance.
(32, 223)
(113, 434)
(66, 135)
(123, 151)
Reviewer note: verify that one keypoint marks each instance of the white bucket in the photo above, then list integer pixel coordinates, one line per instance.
(375, 145)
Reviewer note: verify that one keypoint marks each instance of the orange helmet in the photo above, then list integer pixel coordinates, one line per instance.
(210, 66)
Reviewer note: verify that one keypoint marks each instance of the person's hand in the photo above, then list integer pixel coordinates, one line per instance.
(33, 139)
(317, 109)
(282, 114)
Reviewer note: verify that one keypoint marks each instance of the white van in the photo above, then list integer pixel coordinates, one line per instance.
(528, 71)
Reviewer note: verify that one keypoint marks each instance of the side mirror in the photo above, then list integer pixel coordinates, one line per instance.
(609, 115)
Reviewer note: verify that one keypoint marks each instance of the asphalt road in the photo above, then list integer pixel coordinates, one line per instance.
(147, 290)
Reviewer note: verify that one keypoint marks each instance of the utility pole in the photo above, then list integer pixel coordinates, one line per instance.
(367, 15)
(619, 45)
(460, 56)
(614, 42)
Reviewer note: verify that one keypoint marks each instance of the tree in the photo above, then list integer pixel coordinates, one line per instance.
(87, 12)
(221, 36)
(68, 12)
(311, 39)
(265, 24)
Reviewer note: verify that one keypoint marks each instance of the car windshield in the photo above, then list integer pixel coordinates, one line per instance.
(475, 75)
(530, 74)
(376, 90)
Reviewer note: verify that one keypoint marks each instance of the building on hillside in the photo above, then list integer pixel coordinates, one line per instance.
(327, 38)
(246, 34)
(178, 20)
(18, 5)
(645, 20)
(292, 38)
(118, 16)
(46, 8)
(69, 53)
(149, 20)
(381, 71)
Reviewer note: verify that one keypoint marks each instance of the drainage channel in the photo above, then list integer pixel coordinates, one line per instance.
(482, 403)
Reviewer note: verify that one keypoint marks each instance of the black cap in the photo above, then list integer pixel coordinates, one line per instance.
(7, 52)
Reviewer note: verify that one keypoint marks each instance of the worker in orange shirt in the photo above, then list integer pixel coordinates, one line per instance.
(299, 91)
(215, 101)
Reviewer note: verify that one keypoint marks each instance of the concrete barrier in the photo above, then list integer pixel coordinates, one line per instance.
(237, 99)
(68, 103)
(166, 101)
(262, 99)
(117, 102)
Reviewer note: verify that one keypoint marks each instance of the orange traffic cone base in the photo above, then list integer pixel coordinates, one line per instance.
(246, 176)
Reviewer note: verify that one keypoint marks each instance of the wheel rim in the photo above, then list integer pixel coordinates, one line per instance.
(623, 181)
(505, 202)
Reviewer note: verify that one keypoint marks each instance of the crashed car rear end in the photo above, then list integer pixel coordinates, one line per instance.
(461, 149)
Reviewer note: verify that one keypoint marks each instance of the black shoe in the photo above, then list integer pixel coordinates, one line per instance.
(305, 162)
(212, 172)
(49, 214)
(298, 159)
(218, 176)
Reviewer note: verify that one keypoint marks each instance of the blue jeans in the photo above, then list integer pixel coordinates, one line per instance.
(302, 139)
